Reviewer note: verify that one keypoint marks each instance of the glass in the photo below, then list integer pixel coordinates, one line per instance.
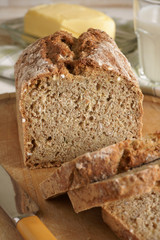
(147, 29)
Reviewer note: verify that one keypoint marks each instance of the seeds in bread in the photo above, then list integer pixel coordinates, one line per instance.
(123, 185)
(74, 96)
(101, 164)
(136, 218)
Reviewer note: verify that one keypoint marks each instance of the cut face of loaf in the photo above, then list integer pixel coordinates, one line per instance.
(137, 181)
(101, 164)
(136, 218)
(74, 96)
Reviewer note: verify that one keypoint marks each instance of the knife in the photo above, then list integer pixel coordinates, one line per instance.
(21, 209)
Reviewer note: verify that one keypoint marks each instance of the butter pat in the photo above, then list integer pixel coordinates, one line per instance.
(44, 20)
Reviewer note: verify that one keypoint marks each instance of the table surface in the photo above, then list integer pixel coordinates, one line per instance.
(17, 8)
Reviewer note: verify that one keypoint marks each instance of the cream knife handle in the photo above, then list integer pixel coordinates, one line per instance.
(31, 228)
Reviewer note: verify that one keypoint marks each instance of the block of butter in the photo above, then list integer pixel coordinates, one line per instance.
(44, 20)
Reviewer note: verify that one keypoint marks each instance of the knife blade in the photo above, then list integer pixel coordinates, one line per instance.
(21, 209)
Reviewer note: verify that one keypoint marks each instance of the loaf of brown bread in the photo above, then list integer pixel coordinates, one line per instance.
(101, 164)
(124, 185)
(137, 218)
(74, 96)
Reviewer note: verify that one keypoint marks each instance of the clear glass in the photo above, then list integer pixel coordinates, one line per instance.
(147, 29)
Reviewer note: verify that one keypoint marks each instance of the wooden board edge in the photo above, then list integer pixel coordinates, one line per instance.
(149, 98)
(7, 95)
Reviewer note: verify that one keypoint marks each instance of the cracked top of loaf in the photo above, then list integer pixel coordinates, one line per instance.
(64, 55)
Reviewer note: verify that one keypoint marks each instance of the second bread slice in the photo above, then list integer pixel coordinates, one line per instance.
(137, 181)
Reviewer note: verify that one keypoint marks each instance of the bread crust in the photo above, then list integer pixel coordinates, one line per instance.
(101, 164)
(61, 54)
(137, 181)
(83, 170)
(92, 50)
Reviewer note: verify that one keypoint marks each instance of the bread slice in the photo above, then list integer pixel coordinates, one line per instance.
(101, 164)
(137, 218)
(74, 96)
(124, 185)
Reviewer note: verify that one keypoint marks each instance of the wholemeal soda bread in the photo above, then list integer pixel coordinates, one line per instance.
(74, 96)
(137, 218)
(101, 164)
(124, 185)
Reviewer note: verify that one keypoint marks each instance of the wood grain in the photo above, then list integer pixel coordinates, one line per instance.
(58, 213)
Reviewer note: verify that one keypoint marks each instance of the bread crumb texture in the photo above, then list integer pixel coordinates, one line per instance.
(74, 96)
(137, 218)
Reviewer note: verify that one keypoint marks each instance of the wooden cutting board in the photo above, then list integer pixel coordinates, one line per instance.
(57, 214)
